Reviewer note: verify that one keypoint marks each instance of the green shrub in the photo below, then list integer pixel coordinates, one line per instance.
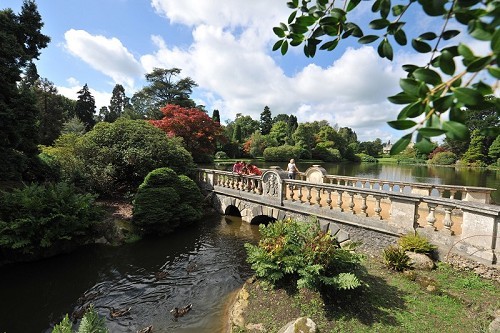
(221, 155)
(165, 201)
(396, 258)
(119, 155)
(40, 219)
(443, 158)
(367, 158)
(300, 252)
(326, 154)
(281, 153)
(415, 243)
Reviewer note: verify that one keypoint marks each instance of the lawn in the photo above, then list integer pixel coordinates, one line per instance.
(443, 300)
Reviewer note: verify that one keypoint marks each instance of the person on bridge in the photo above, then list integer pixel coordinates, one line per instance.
(292, 169)
(253, 170)
(237, 167)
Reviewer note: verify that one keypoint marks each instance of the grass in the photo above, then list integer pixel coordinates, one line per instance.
(387, 160)
(443, 300)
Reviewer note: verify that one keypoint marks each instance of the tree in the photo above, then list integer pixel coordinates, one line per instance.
(428, 91)
(85, 107)
(281, 117)
(292, 125)
(494, 151)
(266, 121)
(476, 151)
(279, 133)
(348, 135)
(164, 88)
(304, 137)
(237, 133)
(216, 116)
(21, 41)
(117, 104)
(117, 156)
(198, 131)
(51, 111)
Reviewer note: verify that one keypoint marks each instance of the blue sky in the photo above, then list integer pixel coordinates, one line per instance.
(225, 47)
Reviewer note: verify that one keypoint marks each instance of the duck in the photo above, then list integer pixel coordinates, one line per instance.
(179, 312)
(115, 313)
(148, 329)
(191, 267)
(78, 313)
(161, 275)
(86, 297)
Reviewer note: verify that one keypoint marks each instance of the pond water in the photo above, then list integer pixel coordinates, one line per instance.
(205, 263)
(411, 173)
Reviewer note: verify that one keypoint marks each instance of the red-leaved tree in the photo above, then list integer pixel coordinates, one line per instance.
(199, 132)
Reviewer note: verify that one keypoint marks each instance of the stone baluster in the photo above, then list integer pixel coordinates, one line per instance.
(299, 196)
(452, 194)
(292, 192)
(351, 202)
(329, 198)
(447, 222)
(431, 218)
(401, 188)
(391, 187)
(378, 208)
(318, 196)
(309, 195)
(371, 185)
(339, 200)
(441, 192)
(363, 205)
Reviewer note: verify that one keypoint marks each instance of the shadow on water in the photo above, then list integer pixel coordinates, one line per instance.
(201, 265)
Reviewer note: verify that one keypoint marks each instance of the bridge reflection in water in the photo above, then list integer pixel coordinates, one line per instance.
(457, 218)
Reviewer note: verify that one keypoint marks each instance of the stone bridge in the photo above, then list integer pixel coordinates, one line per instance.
(373, 211)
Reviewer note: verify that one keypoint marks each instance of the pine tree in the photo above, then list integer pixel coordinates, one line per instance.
(216, 116)
(475, 153)
(119, 101)
(85, 107)
(266, 121)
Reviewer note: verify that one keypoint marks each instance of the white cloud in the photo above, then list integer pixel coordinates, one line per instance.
(106, 55)
(101, 98)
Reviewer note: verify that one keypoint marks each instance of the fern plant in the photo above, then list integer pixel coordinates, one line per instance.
(414, 242)
(91, 323)
(396, 258)
(301, 252)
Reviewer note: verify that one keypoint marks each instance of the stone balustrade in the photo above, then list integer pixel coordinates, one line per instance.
(468, 226)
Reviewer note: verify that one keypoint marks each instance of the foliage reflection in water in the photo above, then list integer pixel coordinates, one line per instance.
(202, 265)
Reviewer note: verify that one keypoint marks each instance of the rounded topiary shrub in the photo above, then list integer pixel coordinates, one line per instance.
(221, 155)
(443, 158)
(165, 201)
(281, 153)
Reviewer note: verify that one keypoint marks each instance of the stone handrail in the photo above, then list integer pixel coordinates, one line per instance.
(465, 193)
(472, 227)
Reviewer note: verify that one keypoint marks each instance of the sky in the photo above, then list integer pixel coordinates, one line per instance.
(226, 48)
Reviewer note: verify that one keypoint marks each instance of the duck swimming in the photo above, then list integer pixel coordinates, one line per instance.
(161, 275)
(179, 312)
(115, 313)
(148, 329)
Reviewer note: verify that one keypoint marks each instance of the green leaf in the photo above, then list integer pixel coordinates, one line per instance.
(410, 86)
(306, 20)
(331, 45)
(278, 31)
(433, 7)
(479, 64)
(494, 71)
(449, 34)
(468, 96)
(284, 47)
(420, 46)
(379, 24)
(352, 4)
(409, 68)
(465, 51)
(446, 63)
(424, 145)
(385, 49)
(483, 88)
(398, 9)
(277, 45)
(427, 36)
(427, 75)
(293, 4)
(292, 16)
(402, 98)
(443, 103)
(368, 39)
(479, 30)
(400, 37)
(401, 124)
(467, 3)
(457, 114)
(495, 42)
(430, 132)
(455, 130)
(401, 144)
(298, 28)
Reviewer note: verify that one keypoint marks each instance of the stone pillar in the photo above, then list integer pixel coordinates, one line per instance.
(477, 196)
(480, 233)
(403, 213)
